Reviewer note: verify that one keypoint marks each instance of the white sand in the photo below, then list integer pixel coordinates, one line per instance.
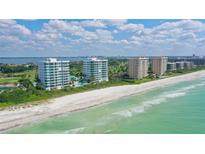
(13, 118)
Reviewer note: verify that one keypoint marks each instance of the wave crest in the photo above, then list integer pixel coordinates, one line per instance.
(75, 130)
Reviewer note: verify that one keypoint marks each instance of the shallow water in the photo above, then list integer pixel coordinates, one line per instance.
(177, 108)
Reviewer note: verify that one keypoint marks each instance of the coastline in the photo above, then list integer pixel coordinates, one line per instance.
(70, 103)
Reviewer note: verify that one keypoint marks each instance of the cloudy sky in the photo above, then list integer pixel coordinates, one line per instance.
(27, 38)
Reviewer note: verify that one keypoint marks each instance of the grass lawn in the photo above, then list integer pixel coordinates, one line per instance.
(28, 74)
(9, 80)
(14, 77)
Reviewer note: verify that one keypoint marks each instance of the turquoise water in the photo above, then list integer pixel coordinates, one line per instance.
(177, 108)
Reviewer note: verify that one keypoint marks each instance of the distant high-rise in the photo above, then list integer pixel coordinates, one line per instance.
(138, 67)
(171, 66)
(180, 65)
(188, 65)
(198, 60)
(95, 69)
(159, 65)
(54, 74)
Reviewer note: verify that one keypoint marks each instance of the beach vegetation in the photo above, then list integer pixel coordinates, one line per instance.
(27, 92)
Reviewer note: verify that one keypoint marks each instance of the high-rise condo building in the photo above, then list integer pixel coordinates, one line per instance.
(180, 65)
(159, 65)
(197, 60)
(54, 74)
(171, 66)
(138, 67)
(95, 69)
(188, 65)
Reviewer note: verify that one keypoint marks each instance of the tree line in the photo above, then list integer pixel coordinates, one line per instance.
(8, 68)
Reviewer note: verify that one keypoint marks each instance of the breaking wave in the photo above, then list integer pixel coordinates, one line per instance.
(108, 131)
(130, 112)
(174, 95)
(155, 101)
(75, 130)
(189, 87)
(140, 108)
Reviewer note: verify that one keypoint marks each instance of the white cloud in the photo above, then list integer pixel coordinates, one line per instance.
(131, 27)
(124, 42)
(115, 22)
(21, 30)
(10, 27)
(92, 23)
(187, 36)
(110, 35)
(185, 25)
(104, 35)
(77, 29)
(62, 26)
(6, 22)
(9, 40)
(182, 32)
(115, 31)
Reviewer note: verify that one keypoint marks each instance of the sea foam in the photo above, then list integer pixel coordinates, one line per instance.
(129, 112)
(162, 98)
(147, 104)
(75, 130)
(174, 95)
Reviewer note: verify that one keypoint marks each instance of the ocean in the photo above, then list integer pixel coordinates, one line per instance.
(34, 60)
(178, 108)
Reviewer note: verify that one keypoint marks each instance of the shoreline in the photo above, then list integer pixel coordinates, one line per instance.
(75, 102)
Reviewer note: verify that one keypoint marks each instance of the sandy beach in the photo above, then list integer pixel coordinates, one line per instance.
(15, 118)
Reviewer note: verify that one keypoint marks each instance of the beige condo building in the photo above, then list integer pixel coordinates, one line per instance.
(138, 67)
(159, 65)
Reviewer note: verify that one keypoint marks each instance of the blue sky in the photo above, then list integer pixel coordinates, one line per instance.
(38, 24)
(101, 37)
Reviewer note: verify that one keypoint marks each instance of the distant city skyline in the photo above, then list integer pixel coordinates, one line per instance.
(121, 37)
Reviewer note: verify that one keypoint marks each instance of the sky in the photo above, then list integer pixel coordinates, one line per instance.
(96, 37)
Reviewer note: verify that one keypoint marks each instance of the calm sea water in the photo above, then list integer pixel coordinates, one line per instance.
(35, 60)
(173, 109)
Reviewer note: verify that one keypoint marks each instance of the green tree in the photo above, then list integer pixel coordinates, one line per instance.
(25, 84)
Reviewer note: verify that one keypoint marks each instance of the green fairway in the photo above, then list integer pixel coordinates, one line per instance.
(12, 78)
(9, 80)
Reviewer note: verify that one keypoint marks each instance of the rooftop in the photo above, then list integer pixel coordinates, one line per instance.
(54, 60)
(139, 58)
(95, 59)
